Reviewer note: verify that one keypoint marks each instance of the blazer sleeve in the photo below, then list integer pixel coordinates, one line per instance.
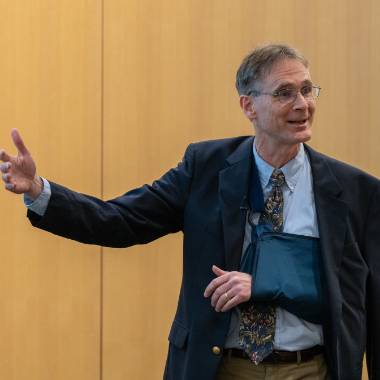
(137, 217)
(373, 286)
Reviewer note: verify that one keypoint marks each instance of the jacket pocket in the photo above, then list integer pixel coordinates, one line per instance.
(178, 335)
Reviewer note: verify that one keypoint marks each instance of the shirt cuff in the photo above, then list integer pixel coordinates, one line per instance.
(39, 205)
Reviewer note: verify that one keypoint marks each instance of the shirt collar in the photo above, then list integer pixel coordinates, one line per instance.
(291, 169)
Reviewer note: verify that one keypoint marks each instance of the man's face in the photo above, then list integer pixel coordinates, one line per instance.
(284, 123)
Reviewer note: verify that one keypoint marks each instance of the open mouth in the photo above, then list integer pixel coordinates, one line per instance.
(297, 122)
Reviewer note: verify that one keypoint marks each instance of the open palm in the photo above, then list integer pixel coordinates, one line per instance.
(19, 172)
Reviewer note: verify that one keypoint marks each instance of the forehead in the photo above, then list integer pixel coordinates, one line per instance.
(287, 71)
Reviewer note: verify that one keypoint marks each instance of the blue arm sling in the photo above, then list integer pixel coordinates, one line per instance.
(286, 272)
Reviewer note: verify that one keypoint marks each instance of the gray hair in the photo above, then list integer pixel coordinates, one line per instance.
(260, 61)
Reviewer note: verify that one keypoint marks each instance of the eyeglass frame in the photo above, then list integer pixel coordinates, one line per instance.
(276, 94)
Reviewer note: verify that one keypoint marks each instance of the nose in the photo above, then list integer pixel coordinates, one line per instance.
(300, 102)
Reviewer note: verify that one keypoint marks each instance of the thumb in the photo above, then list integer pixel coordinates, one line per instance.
(218, 271)
(17, 140)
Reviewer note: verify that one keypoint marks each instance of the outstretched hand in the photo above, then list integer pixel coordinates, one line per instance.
(19, 172)
(228, 289)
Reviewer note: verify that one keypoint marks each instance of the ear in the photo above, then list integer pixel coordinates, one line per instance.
(246, 104)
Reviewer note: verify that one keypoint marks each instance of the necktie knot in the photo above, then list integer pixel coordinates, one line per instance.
(277, 178)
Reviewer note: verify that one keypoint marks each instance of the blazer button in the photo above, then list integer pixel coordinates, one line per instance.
(216, 350)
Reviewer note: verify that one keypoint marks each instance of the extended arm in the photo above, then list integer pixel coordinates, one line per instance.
(138, 216)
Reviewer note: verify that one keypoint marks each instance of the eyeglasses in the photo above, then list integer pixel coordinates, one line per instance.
(289, 94)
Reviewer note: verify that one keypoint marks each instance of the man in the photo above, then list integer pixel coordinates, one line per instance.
(216, 197)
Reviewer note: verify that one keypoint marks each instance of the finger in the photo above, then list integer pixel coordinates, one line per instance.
(17, 140)
(223, 295)
(224, 299)
(210, 289)
(231, 303)
(4, 167)
(219, 292)
(10, 186)
(6, 177)
(218, 271)
(214, 284)
(4, 156)
(221, 301)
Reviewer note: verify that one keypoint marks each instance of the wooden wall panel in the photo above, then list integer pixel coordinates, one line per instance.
(50, 287)
(169, 80)
(168, 74)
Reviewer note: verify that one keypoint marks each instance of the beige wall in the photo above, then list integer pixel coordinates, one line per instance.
(107, 95)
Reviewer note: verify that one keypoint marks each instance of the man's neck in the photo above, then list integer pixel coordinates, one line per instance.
(276, 155)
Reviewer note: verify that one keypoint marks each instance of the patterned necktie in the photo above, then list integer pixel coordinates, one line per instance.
(257, 325)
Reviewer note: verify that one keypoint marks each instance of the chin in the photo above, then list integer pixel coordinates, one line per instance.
(305, 138)
(295, 140)
(302, 136)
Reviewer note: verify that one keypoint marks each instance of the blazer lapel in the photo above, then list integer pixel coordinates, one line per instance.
(332, 214)
(233, 190)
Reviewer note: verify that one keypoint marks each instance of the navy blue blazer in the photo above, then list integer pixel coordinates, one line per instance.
(206, 198)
